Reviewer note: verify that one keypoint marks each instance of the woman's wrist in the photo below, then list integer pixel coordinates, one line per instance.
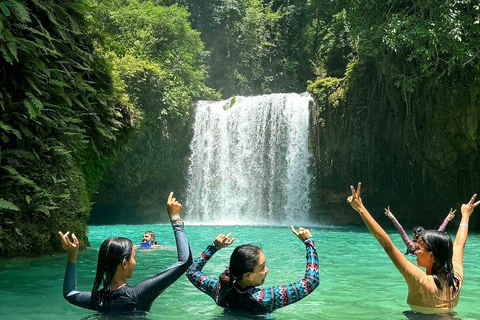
(175, 218)
(362, 210)
(465, 220)
(72, 258)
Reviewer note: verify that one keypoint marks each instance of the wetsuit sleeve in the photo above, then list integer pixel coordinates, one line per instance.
(281, 296)
(409, 243)
(70, 293)
(443, 225)
(148, 290)
(200, 280)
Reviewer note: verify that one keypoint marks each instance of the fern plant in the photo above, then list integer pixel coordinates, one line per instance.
(60, 113)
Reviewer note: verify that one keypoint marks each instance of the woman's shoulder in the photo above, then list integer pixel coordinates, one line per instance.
(415, 273)
(419, 281)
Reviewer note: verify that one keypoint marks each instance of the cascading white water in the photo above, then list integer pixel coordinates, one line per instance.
(249, 161)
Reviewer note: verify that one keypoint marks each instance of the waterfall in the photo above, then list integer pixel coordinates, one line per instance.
(249, 161)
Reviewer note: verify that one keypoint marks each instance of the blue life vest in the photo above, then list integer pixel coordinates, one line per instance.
(146, 245)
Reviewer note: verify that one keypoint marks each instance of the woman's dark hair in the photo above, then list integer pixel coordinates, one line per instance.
(441, 246)
(112, 253)
(418, 231)
(243, 259)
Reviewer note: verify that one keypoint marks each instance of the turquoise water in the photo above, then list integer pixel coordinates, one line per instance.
(357, 280)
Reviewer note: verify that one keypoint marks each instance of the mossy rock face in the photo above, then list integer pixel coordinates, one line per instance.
(407, 147)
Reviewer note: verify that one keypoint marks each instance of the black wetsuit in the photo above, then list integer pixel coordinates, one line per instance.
(140, 296)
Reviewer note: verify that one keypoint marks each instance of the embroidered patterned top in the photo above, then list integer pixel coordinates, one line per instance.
(251, 298)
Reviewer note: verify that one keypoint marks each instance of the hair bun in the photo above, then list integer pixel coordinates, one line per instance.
(226, 277)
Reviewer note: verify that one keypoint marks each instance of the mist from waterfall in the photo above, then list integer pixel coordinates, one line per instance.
(249, 161)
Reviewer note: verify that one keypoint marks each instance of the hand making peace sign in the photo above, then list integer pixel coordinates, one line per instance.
(467, 209)
(355, 200)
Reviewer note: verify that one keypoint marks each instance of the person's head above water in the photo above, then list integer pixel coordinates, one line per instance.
(247, 267)
(116, 261)
(435, 253)
(417, 233)
(148, 236)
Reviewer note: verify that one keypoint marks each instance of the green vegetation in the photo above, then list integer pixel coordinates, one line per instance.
(255, 46)
(404, 117)
(96, 100)
(160, 58)
(60, 118)
(77, 78)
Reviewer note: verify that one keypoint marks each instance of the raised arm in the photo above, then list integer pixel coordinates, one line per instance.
(449, 218)
(409, 243)
(462, 233)
(70, 293)
(148, 290)
(281, 296)
(203, 282)
(401, 263)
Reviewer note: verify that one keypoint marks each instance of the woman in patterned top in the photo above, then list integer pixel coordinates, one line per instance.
(417, 231)
(237, 286)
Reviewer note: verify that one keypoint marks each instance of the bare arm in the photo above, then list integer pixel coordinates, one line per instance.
(398, 259)
(462, 233)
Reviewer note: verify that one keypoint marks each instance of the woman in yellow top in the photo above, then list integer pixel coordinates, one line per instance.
(437, 290)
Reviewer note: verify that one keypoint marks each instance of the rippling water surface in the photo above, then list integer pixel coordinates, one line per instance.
(357, 280)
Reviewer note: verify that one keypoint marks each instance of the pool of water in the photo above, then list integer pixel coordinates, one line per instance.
(357, 280)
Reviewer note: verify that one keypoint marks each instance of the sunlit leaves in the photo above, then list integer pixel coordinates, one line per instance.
(158, 65)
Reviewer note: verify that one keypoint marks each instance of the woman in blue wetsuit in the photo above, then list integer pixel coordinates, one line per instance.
(237, 286)
(116, 263)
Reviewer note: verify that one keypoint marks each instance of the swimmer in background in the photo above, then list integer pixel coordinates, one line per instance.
(148, 241)
(237, 286)
(417, 231)
(438, 289)
(116, 263)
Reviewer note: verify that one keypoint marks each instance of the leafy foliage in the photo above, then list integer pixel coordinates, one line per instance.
(160, 60)
(413, 84)
(256, 46)
(59, 116)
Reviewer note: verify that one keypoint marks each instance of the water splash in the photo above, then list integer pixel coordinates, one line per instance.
(249, 161)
